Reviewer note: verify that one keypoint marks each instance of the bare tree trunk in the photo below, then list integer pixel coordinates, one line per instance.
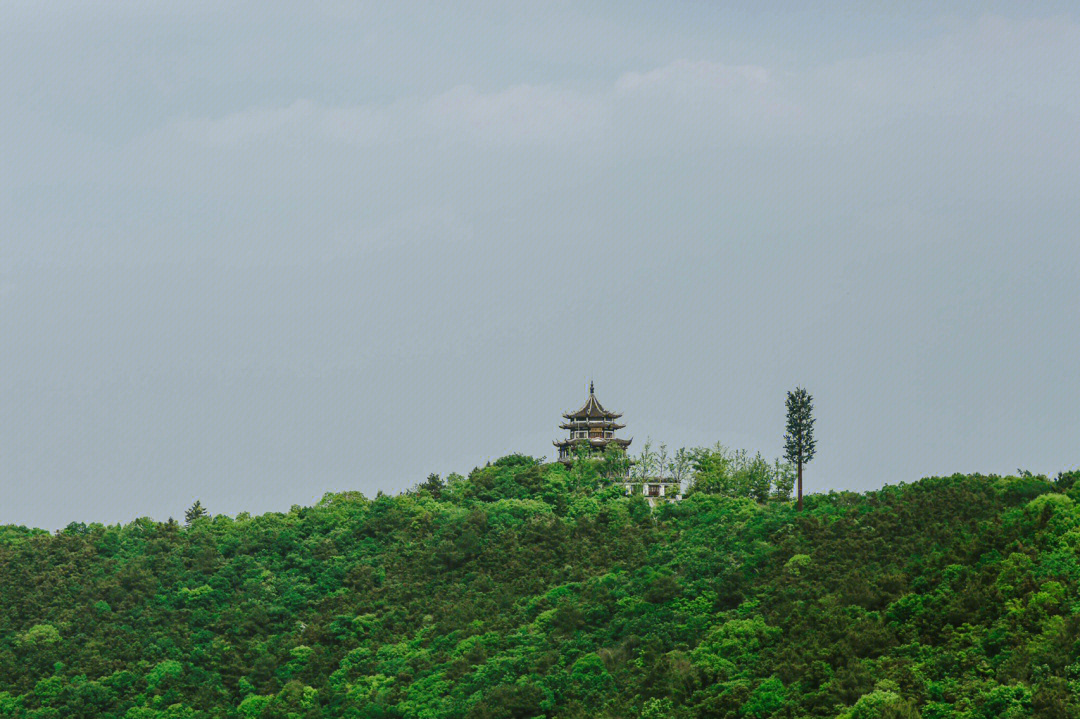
(800, 484)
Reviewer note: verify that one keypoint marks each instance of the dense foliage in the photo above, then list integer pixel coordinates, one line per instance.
(529, 590)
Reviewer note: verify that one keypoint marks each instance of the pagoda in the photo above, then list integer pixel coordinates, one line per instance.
(592, 425)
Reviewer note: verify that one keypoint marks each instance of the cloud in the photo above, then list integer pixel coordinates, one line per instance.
(694, 75)
(528, 114)
(244, 126)
(520, 114)
(983, 68)
(350, 124)
(523, 113)
(987, 69)
(1002, 81)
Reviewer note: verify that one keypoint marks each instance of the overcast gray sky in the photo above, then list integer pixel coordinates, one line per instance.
(251, 253)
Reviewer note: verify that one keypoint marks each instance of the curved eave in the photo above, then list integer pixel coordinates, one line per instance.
(592, 409)
(595, 441)
(582, 414)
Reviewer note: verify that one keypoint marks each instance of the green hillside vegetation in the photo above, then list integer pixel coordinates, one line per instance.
(531, 590)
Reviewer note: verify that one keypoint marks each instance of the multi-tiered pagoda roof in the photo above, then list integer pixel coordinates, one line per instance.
(591, 425)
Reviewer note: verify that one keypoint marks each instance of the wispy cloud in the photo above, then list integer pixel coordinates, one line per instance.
(693, 101)
(520, 114)
(692, 75)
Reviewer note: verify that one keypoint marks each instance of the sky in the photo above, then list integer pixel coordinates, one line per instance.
(254, 252)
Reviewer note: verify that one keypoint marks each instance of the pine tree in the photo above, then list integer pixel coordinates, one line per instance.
(434, 485)
(799, 440)
(196, 511)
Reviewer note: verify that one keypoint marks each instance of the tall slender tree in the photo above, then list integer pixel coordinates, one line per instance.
(645, 463)
(681, 465)
(195, 512)
(799, 440)
(661, 461)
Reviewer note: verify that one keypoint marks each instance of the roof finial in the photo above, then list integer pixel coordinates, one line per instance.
(591, 390)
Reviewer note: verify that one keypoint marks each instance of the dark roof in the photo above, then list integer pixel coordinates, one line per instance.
(592, 409)
(608, 423)
(595, 441)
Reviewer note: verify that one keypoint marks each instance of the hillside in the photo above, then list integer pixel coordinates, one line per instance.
(527, 590)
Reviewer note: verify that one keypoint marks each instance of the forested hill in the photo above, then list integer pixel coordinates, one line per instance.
(527, 590)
